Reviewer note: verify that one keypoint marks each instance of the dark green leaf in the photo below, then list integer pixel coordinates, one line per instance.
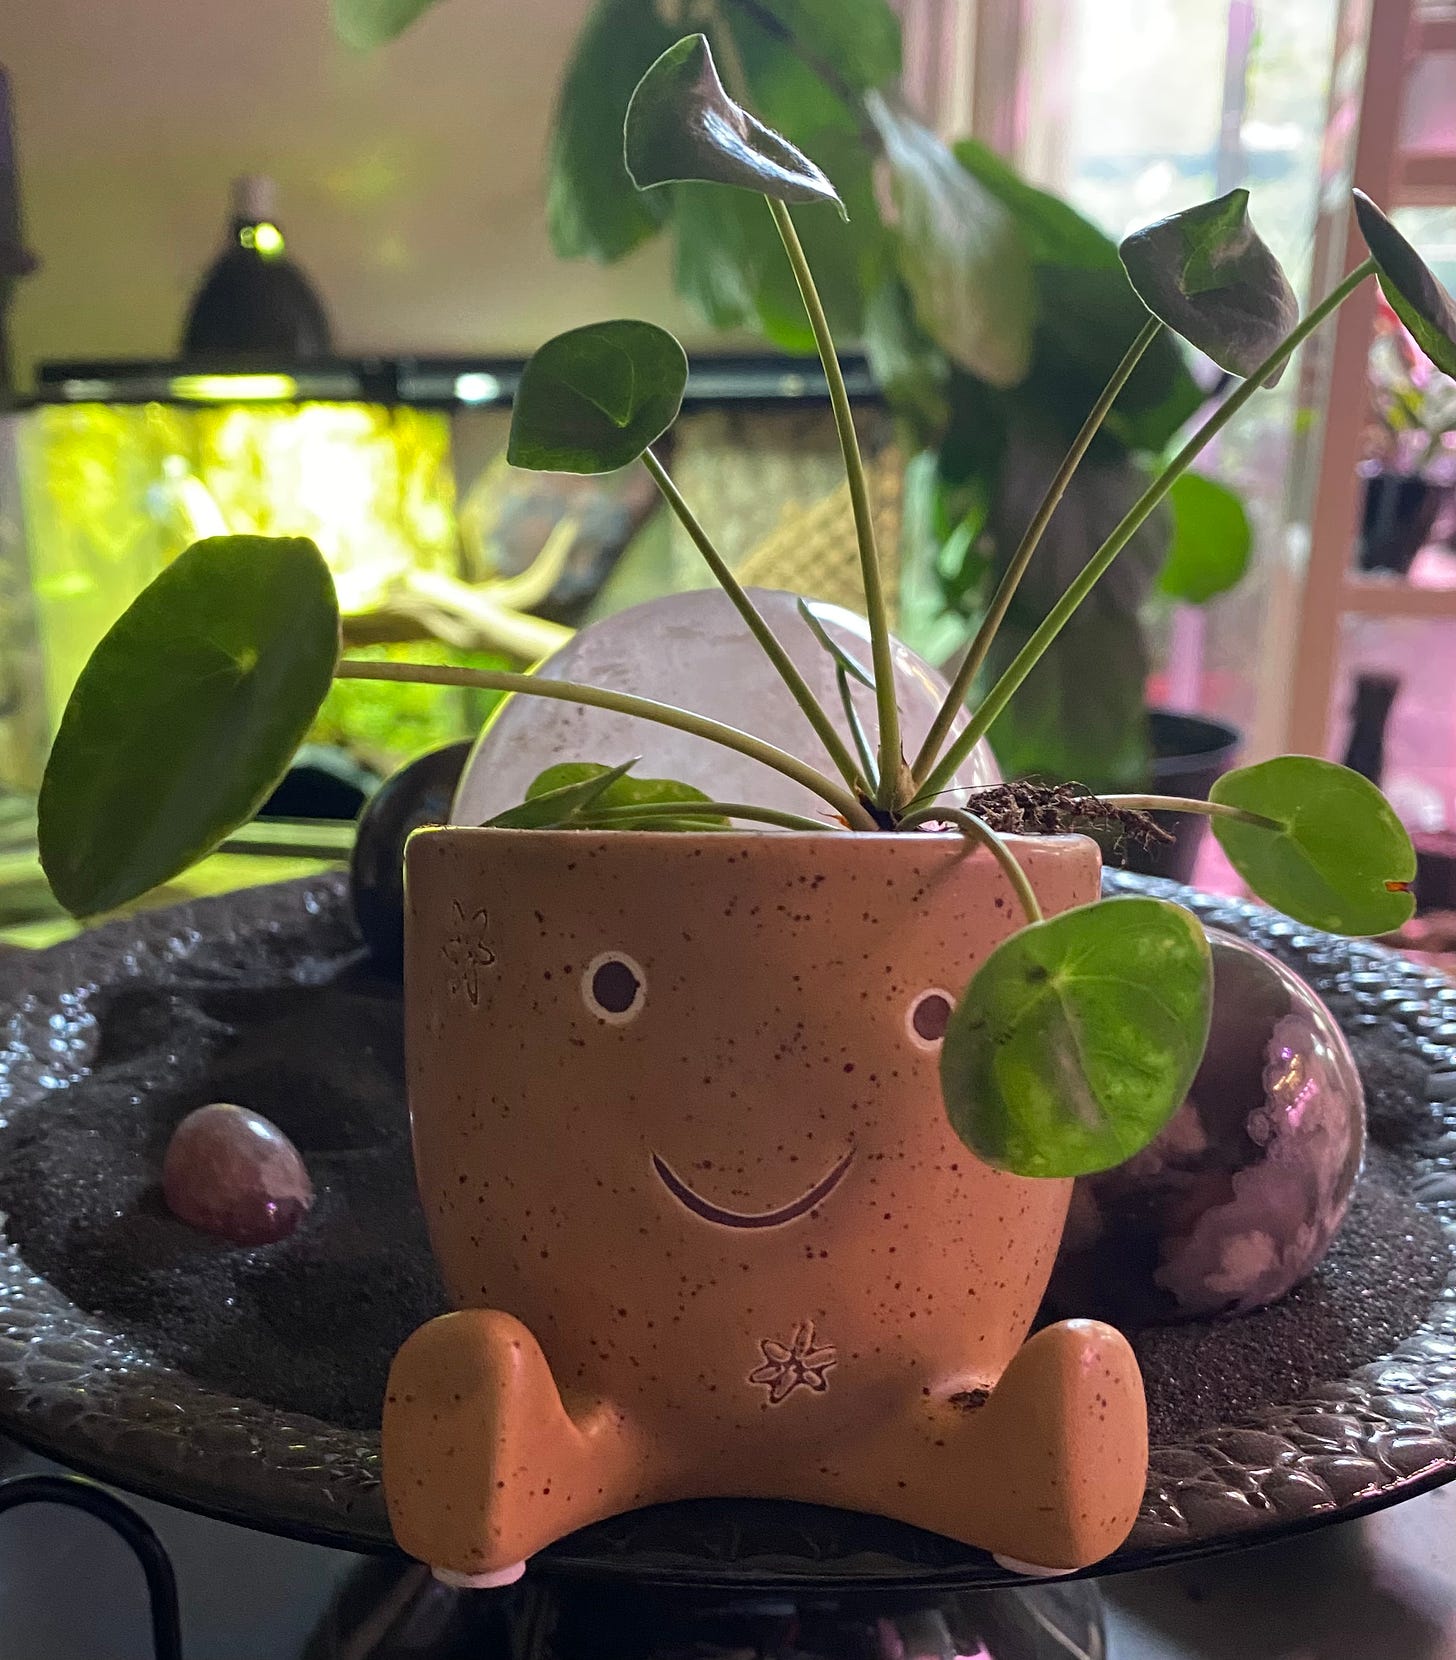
(594, 398)
(593, 210)
(1341, 860)
(1078, 1037)
(855, 670)
(365, 24)
(962, 258)
(186, 715)
(1208, 275)
(1212, 540)
(580, 795)
(1415, 295)
(858, 44)
(1086, 317)
(1080, 714)
(681, 125)
(910, 369)
(729, 264)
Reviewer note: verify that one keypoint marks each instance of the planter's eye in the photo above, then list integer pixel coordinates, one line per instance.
(928, 1018)
(614, 988)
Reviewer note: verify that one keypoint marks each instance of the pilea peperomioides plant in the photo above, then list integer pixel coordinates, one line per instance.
(1079, 1036)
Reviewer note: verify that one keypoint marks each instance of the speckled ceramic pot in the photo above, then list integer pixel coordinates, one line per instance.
(680, 1138)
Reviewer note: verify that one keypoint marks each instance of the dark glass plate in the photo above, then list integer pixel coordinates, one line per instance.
(82, 1389)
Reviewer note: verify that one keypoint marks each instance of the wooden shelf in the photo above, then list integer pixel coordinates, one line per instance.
(1379, 597)
(1426, 179)
(1435, 30)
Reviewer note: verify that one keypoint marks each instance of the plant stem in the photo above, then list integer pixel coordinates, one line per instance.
(1180, 804)
(891, 761)
(1060, 614)
(851, 715)
(980, 831)
(814, 712)
(622, 703)
(605, 817)
(1011, 579)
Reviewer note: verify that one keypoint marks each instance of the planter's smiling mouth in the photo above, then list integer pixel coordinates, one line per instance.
(724, 1218)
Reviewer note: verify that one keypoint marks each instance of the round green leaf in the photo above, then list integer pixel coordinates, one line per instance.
(681, 125)
(594, 398)
(1212, 540)
(1078, 1037)
(1339, 860)
(1208, 275)
(1415, 295)
(185, 716)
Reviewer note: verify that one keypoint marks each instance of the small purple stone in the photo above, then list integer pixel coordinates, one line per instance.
(1239, 1197)
(230, 1172)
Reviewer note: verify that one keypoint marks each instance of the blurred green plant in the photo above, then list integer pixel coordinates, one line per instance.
(992, 314)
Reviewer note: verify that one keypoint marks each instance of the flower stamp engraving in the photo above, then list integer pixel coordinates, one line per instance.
(786, 1366)
(467, 953)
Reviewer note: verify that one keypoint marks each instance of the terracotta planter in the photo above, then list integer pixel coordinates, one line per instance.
(679, 1135)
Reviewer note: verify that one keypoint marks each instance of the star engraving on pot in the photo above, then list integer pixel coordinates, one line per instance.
(788, 1365)
(722, 1217)
(467, 953)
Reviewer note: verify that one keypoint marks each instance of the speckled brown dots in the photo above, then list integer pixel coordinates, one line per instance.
(729, 1212)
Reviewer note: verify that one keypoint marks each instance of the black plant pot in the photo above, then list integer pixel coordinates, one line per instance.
(1397, 519)
(1189, 752)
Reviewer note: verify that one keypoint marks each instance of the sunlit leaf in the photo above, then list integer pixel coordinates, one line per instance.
(1340, 860)
(581, 795)
(1415, 295)
(365, 24)
(962, 258)
(557, 796)
(1212, 540)
(185, 716)
(681, 125)
(1209, 276)
(594, 398)
(1078, 1037)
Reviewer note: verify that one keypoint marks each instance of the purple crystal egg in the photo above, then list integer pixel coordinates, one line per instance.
(1239, 1197)
(231, 1172)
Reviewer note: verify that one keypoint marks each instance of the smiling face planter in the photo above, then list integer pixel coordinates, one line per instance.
(679, 1134)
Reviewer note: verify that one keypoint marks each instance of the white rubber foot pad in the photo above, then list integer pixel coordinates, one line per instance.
(480, 1582)
(1031, 1570)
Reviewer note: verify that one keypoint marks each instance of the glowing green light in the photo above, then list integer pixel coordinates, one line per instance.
(264, 238)
(233, 388)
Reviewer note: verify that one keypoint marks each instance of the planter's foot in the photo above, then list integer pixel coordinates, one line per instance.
(483, 1465)
(1064, 1438)
(1049, 1470)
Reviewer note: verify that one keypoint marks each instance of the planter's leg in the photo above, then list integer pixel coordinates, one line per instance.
(483, 1465)
(1049, 1470)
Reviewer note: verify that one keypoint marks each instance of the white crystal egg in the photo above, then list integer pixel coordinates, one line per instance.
(693, 650)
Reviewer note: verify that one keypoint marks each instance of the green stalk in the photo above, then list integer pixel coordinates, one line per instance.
(621, 703)
(1061, 613)
(1180, 804)
(814, 711)
(977, 828)
(606, 817)
(1011, 579)
(891, 761)
(851, 715)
